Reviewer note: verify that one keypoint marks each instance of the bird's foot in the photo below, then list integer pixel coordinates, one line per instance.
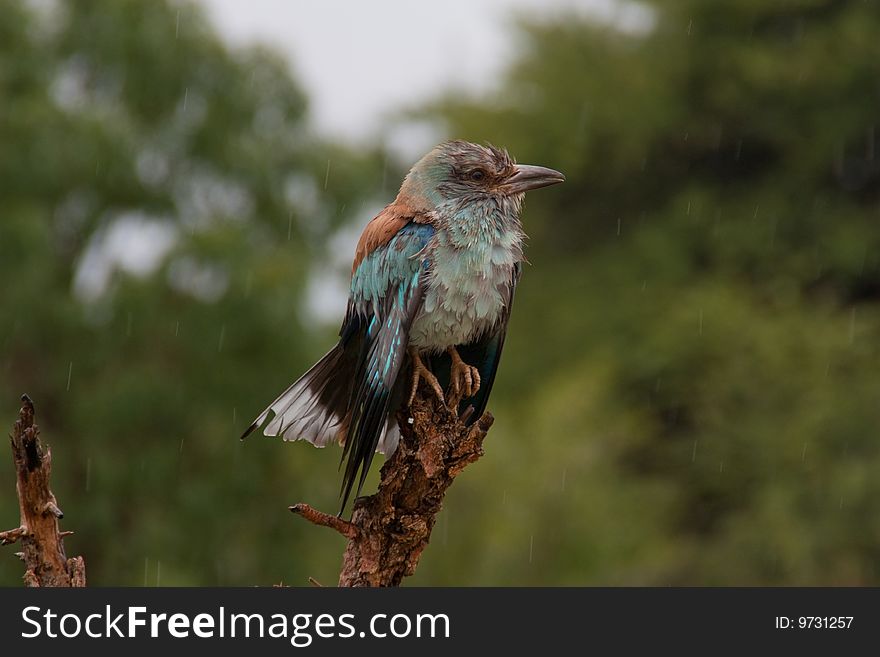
(464, 379)
(419, 371)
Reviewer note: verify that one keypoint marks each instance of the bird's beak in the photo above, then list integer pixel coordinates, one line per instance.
(528, 176)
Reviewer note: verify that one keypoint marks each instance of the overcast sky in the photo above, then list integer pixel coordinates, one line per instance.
(360, 60)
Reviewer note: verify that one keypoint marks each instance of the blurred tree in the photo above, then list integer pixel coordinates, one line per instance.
(162, 204)
(689, 394)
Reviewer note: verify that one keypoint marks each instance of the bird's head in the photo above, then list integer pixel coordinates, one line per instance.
(460, 170)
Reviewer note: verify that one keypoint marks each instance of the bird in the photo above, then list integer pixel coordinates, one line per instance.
(432, 284)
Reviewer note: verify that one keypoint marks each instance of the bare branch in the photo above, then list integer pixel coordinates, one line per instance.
(325, 520)
(12, 535)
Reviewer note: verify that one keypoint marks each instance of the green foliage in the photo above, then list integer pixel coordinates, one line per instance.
(120, 114)
(689, 390)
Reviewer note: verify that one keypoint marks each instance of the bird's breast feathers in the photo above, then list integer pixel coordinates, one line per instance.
(467, 288)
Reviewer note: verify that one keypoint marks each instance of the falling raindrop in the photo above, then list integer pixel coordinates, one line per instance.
(564, 472)
(690, 26)
(185, 98)
(176, 328)
(701, 321)
(618, 226)
(804, 454)
(233, 415)
(180, 451)
(69, 374)
(289, 225)
(327, 175)
(852, 326)
(177, 25)
(531, 547)
(694, 453)
(88, 474)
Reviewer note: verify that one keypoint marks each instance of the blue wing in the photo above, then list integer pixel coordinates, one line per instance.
(387, 290)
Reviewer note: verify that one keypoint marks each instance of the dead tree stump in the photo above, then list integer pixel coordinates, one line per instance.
(41, 539)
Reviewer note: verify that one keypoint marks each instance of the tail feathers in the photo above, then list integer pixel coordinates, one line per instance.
(323, 405)
(389, 438)
(314, 407)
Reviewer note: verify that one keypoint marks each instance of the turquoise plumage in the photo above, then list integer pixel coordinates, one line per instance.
(431, 291)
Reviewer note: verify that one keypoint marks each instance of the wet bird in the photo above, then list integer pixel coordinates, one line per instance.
(431, 291)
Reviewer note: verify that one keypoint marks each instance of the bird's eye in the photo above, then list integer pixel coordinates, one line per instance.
(478, 175)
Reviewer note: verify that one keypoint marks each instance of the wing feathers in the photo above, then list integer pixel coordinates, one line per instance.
(348, 393)
(383, 227)
(377, 381)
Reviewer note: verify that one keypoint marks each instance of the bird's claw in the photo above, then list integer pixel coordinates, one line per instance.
(419, 371)
(464, 379)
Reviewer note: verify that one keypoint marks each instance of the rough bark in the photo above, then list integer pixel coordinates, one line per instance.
(389, 530)
(42, 542)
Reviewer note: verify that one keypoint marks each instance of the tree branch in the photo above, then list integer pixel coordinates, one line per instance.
(11, 536)
(325, 520)
(389, 530)
(42, 544)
